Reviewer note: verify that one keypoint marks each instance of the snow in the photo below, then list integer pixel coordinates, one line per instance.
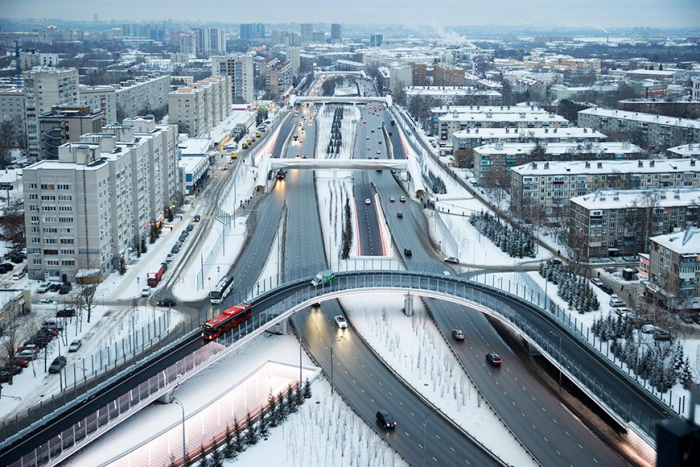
(415, 349)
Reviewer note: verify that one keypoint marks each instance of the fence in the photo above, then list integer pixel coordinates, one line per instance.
(450, 243)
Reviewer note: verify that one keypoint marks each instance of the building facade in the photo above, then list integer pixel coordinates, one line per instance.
(448, 75)
(12, 106)
(376, 40)
(336, 33)
(547, 187)
(249, 31)
(198, 108)
(620, 223)
(64, 125)
(674, 269)
(45, 88)
(241, 69)
(31, 58)
(451, 95)
(278, 77)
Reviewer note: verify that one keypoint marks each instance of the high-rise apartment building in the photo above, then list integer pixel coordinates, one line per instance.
(336, 33)
(45, 88)
(188, 43)
(252, 31)
(448, 75)
(242, 72)
(32, 58)
(307, 33)
(375, 40)
(294, 57)
(278, 77)
(128, 98)
(419, 74)
(94, 205)
(64, 125)
(217, 41)
(12, 106)
(202, 40)
(201, 106)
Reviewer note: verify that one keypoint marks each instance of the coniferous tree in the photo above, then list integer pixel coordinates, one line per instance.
(251, 433)
(307, 389)
(228, 443)
(237, 437)
(291, 400)
(263, 423)
(272, 410)
(216, 457)
(299, 395)
(281, 407)
(122, 266)
(203, 462)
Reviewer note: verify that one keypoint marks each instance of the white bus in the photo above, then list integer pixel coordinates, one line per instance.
(222, 290)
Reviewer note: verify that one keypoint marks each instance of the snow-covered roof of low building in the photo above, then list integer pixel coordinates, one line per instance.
(642, 117)
(494, 109)
(521, 116)
(634, 166)
(560, 148)
(226, 126)
(530, 133)
(686, 150)
(195, 146)
(188, 164)
(620, 199)
(449, 91)
(684, 242)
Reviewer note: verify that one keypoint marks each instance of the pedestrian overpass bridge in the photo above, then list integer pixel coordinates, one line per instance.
(275, 300)
(297, 100)
(409, 165)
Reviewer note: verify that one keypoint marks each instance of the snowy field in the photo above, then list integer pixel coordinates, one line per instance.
(416, 350)
(108, 325)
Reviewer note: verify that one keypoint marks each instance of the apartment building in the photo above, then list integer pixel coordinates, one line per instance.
(64, 125)
(492, 162)
(662, 106)
(450, 95)
(45, 88)
(12, 105)
(95, 203)
(657, 131)
(336, 33)
(278, 77)
(620, 223)
(188, 43)
(249, 31)
(547, 187)
(473, 137)
(445, 125)
(448, 75)
(196, 109)
(306, 30)
(695, 88)
(128, 98)
(376, 40)
(31, 58)
(240, 69)
(674, 269)
(294, 57)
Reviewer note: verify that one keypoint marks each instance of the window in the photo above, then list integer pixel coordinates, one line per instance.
(67, 241)
(48, 186)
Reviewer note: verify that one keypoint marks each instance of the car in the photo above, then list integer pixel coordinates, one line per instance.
(451, 260)
(169, 258)
(18, 276)
(48, 301)
(597, 282)
(649, 329)
(407, 252)
(20, 362)
(27, 354)
(57, 364)
(379, 142)
(686, 318)
(197, 218)
(224, 167)
(493, 359)
(341, 322)
(16, 259)
(368, 201)
(65, 288)
(661, 335)
(399, 214)
(67, 312)
(402, 199)
(49, 330)
(8, 266)
(385, 419)
(166, 302)
(75, 345)
(392, 199)
(54, 287)
(606, 288)
(146, 291)
(13, 370)
(190, 228)
(367, 138)
(176, 248)
(5, 376)
(39, 340)
(43, 288)
(458, 334)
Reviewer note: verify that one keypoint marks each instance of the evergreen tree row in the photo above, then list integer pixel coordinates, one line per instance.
(437, 185)
(515, 243)
(575, 289)
(336, 133)
(347, 231)
(239, 436)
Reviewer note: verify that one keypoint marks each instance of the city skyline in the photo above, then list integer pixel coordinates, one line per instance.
(537, 13)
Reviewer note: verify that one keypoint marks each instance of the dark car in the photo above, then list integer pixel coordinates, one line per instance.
(458, 334)
(6, 267)
(175, 248)
(686, 318)
(54, 287)
(407, 252)
(65, 288)
(493, 359)
(13, 370)
(166, 302)
(40, 340)
(607, 289)
(197, 218)
(49, 330)
(5, 376)
(399, 214)
(190, 227)
(58, 364)
(16, 259)
(67, 312)
(385, 419)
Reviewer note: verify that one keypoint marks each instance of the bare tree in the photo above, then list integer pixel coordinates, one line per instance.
(84, 299)
(12, 224)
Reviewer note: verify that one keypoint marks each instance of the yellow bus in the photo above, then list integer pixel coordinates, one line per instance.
(257, 134)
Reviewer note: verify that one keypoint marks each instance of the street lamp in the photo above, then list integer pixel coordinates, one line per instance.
(333, 342)
(184, 446)
(425, 429)
(560, 363)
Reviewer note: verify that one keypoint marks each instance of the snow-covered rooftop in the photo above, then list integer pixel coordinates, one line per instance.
(636, 166)
(685, 242)
(494, 109)
(641, 117)
(686, 150)
(195, 146)
(519, 115)
(619, 199)
(226, 126)
(535, 133)
(560, 148)
(448, 91)
(189, 164)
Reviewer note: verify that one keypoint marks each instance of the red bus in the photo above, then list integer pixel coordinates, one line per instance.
(227, 320)
(152, 278)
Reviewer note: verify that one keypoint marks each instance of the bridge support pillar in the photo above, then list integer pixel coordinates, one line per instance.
(283, 327)
(408, 304)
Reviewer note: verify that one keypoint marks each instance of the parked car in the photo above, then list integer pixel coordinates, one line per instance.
(19, 276)
(175, 249)
(169, 258)
(493, 359)
(451, 260)
(607, 289)
(661, 335)
(8, 266)
(54, 287)
(189, 228)
(458, 334)
(55, 322)
(146, 291)
(27, 354)
(197, 218)
(57, 364)
(649, 329)
(5, 376)
(166, 302)
(67, 312)
(686, 318)
(385, 419)
(597, 282)
(16, 259)
(65, 288)
(341, 322)
(407, 252)
(75, 345)
(43, 288)
(48, 301)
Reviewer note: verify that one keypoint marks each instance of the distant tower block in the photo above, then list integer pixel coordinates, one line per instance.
(408, 304)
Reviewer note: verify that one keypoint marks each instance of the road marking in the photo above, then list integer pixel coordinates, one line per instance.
(354, 382)
(453, 450)
(468, 463)
(412, 414)
(400, 402)
(534, 427)
(406, 433)
(434, 459)
(580, 446)
(558, 453)
(555, 421)
(390, 393)
(567, 433)
(522, 414)
(372, 400)
(595, 460)
(543, 409)
(438, 437)
(545, 438)
(363, 391)
(419, 445)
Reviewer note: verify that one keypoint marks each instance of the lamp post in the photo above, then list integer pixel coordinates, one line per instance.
(184, 446)
(560, 363)
(333, 342)
(425, 429)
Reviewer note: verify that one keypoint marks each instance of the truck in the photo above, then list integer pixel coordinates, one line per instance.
(234, 154)
(323, 278)
(153, 278)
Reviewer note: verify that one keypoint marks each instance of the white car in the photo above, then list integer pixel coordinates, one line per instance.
(75, 345)
(48, 301)
(392, 199)
(146, 291)
(43, 288)
(368, 201)
(341, 322)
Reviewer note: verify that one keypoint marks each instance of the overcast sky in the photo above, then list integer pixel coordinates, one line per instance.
(546, 13)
